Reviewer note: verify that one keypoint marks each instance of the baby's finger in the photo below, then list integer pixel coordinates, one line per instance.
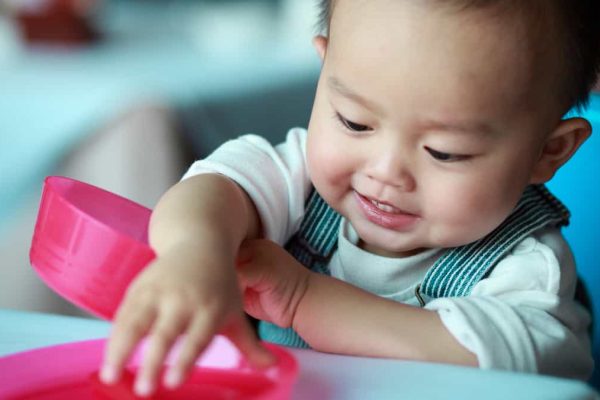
(128, 329)
(198, 336)
(245, 253)
(244, 338)
(167, 328)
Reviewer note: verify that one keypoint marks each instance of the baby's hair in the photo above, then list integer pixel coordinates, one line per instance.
(574, 24)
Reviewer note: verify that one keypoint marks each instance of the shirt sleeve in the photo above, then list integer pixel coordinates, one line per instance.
(275, 178)
(523, 317)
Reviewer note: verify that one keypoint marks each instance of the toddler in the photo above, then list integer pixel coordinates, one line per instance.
(408, 221)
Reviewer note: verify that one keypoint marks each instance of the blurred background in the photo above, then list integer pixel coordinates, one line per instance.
(125, 94)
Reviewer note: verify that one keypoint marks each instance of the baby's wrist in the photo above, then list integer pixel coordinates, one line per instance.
(301, 301)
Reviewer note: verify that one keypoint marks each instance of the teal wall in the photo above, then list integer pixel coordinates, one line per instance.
(577, 184)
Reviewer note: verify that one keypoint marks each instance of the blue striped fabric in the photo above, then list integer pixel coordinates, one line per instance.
(460, 268)
(454, 274)
(313, 245)
(316, 240)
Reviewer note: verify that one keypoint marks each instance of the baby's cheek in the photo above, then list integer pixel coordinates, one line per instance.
(325, 161)
(464, 217)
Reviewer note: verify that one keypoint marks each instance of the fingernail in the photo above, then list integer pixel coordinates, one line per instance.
(108, 374)
(143, 388)
(172, 379)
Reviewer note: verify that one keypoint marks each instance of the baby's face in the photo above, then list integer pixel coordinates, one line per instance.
(426, 123)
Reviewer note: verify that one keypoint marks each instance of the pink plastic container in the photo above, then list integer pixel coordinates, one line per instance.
(88, 243)
(69, 372)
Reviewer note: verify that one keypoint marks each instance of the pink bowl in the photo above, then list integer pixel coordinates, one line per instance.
(88, 244)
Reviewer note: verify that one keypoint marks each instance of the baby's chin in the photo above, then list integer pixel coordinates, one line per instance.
(399, 244)
(390, 252)
(385, 247)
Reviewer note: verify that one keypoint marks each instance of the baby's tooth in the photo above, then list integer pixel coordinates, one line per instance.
(383, 207)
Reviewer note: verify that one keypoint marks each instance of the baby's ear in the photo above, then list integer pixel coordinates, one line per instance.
(562, 143)
(320, 42)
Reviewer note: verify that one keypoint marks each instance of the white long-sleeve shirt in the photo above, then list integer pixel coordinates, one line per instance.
(522, 317)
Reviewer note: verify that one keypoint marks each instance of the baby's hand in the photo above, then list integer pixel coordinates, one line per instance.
(273, 282)
(181, 292)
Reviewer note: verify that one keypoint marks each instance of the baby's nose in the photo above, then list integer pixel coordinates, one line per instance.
(391, 169)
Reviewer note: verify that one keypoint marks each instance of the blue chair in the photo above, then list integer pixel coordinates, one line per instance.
(577, 184)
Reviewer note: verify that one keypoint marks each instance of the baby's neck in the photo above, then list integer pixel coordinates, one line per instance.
(386, 253)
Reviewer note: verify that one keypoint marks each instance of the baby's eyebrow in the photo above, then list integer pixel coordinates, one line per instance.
(479, 128)
(337, 85)
(468, 127)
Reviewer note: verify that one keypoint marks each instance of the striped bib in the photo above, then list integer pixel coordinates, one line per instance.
(454, 274)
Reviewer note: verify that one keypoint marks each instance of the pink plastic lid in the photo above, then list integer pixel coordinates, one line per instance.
(69, 371)
(88, 244)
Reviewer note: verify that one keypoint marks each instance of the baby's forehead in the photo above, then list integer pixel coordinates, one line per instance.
(371, 23)
(533, 16)
(562, 36)
(405, 55)
(361, 28)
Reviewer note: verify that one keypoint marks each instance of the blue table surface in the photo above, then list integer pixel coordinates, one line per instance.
(326, 376)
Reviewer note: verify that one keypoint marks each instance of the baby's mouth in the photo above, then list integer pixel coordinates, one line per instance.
(384, 214)
(385, 207)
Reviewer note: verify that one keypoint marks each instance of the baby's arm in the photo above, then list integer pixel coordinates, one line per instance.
(522, 317)
(337, 317)
(191, 287)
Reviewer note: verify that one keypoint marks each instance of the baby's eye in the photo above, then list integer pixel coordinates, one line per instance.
(446, 157)
(354, 127)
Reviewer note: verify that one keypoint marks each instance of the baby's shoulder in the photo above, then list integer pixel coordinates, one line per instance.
(541, 261)
(548, 245)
